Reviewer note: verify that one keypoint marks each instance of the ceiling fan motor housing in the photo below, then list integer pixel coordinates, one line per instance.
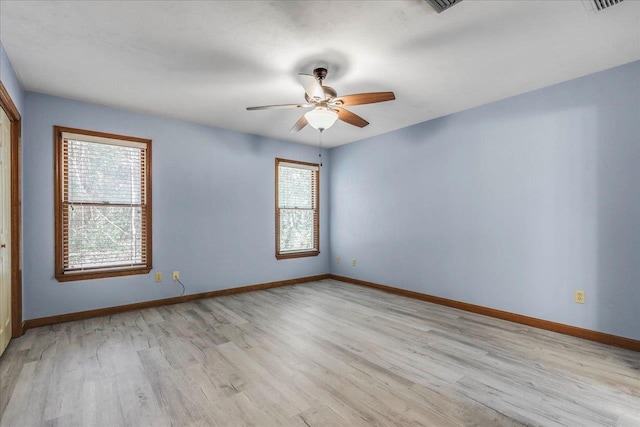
(329, 93)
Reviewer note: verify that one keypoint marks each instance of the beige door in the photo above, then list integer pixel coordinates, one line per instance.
(5, 230)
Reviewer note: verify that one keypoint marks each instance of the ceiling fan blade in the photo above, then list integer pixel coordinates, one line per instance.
(311, 86)
(365, 98)
(353, 119)
(299, 124)
(274, 107)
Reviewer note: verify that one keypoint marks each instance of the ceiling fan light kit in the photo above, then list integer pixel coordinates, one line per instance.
(327, 105)
(321, 118)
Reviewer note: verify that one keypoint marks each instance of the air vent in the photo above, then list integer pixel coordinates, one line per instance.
(600, 5)
(442, 5)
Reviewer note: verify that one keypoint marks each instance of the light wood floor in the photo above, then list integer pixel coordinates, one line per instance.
(322, 353)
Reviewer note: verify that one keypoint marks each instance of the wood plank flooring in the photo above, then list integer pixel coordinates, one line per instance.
(317, 354)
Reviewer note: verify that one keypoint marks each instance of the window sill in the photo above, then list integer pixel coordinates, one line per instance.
(84, 275)
(297, 254)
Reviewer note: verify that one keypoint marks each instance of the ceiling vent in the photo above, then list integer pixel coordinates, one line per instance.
(442, 5)
(600, 5)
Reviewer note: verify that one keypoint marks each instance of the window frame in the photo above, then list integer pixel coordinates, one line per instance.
(316, 225)
(60, 273)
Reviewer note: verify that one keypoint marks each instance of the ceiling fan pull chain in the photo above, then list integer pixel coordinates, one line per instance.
(320, 147)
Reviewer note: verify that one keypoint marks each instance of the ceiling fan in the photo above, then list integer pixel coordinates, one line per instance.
(327, 105)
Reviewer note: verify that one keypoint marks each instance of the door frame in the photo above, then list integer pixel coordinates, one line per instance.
(6, 103)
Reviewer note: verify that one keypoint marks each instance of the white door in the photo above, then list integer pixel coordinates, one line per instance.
(5, 230)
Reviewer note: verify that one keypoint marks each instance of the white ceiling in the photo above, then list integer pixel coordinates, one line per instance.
(205, 61)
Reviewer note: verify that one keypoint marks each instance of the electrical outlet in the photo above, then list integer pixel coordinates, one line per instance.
(353, 262)
(176, 275)
(338, 260)
(579, 297)
(158, 277)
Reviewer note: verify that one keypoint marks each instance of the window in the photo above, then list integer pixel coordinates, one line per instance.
(102, 204)
(297, 209)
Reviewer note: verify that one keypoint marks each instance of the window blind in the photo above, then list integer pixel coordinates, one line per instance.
(297, 208)
(104, 208)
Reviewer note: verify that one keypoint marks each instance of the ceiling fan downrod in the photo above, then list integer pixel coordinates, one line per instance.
(320, 74)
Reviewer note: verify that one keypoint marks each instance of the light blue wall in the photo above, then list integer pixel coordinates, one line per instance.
(10, 80)
(213, 208)
(511, 205)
